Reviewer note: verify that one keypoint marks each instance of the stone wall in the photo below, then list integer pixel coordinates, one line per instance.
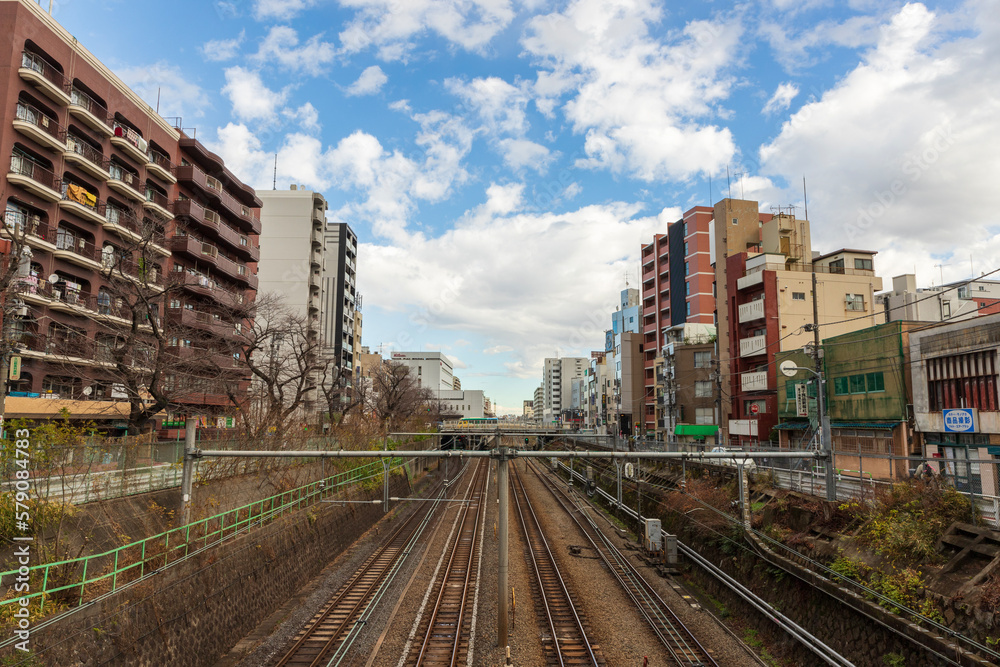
(192, 613)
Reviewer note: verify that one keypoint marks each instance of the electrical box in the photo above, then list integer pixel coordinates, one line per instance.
(590, 474)
(653, 536)
(670, 549)
(554, 462)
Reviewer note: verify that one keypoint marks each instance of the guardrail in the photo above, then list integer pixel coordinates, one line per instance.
(111, 570)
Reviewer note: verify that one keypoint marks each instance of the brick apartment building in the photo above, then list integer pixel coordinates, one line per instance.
(129, 226)
(677, 289)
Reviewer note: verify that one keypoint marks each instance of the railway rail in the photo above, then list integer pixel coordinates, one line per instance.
(445, 629)
(566, 642)
(328, 633)
(683, 647)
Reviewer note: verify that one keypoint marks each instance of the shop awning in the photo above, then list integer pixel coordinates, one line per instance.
(886, 426)
(793, 426)
(696, 429)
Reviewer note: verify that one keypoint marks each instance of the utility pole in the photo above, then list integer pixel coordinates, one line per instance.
(824, 419)
(717, 372)
(502, 566)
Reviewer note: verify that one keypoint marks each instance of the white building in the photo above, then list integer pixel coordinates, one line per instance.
(955, 301)
(432, 370)
(470, 403)
(557, 379)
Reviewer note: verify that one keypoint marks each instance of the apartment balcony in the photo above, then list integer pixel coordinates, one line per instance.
(200, 356)
(160, 166)
(63, 349)
(122, 222)
(86, 158)
(240, 243)
(83, 204)
(76, 251)
(130, 143)
(33, 177)
(196, 319)
(44, 76)
(35, 125)
(204, 252)
(649, 328)
(754, 381)
(193, 176)
(157, 203)
(754, 310)
(750, 280)
(90, 112)
(36, 233)
(204, 286)
(753, 345)
(125, 183)
(72, 301)
(192, 210)
(251, 218)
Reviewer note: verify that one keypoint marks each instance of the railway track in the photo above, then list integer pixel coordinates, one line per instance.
(680, 642)
(323, 639)
(445, 629)
(564, 639)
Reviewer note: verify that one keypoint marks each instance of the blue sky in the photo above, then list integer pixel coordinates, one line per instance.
(502, 161)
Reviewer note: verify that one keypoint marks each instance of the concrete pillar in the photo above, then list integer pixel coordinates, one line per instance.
(187, 475)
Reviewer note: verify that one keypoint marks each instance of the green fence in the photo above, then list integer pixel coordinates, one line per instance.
(69, 581)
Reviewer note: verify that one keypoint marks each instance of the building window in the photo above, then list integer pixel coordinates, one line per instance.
(686, 249)
(963, 381)
(687, 309)
(857, 384)
(704, 416)
(736, 221)
(703, 359)
(703, 389)
(687, 288)
(841, 387)
(837, 266)
(687, 268)
(761, 407)
(945, 310)
(854, 301)
(963, 292)
(862, 264)
(798, 296)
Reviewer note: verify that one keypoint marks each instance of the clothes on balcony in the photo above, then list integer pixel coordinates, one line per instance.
(80, 195)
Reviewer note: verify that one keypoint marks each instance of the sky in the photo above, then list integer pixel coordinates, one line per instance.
(503, 161)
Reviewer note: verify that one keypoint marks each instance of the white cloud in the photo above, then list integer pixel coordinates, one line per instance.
(392, 27)
(500, 105)
(281, 46)
(901, 153)
(219, 50)
(432, 283)
(165, 85)
(521, 153)
(643, 105)
(307, 116)
(369, 83)
(797, 48)
(281, 10)
(251, 99)
(781, 99)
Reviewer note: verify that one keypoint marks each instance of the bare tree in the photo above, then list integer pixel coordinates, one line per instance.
(395, 396)
(340, 394)
(281, 357)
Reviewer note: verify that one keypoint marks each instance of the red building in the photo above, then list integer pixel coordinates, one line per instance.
(129, 222)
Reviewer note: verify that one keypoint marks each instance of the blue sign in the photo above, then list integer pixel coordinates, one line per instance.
(960, 420)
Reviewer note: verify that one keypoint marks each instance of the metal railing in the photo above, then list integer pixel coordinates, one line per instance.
(36, 117)
(37, 63)
(93, 575)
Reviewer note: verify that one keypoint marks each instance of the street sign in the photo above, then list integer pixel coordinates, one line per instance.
(754, 408)
(801, 401)
(15, 368)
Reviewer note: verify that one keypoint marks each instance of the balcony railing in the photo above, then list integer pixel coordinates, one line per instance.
(750, 280)
(76, 245)
(97, 110)
(80, 195)
(38, 118)
(160, 160)
(37, 63)
(754, 381)
(754, 310)
(753, 345)
(17, 222)
(22, 165)
(88, 152)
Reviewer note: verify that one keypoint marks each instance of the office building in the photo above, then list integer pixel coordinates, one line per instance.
(432, 370)
(949, 302)
(339, 293)
(557, 377)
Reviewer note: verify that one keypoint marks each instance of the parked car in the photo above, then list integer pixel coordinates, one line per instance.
(750, 465)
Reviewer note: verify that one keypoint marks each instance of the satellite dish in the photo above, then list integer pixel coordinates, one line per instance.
(87, 391)
(788, 368)
(54, 278)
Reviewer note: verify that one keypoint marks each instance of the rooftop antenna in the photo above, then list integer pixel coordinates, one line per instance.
(941, 269)
(710, 195)
(805, 198)
(157, 93)
(729, 183)
(274, 186)
(740, 175)
(50, 7)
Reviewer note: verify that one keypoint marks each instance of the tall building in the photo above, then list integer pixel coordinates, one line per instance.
(557, 377)
(339, 292)
(687, 395)
(952, 302)
(118, 209)
(627, 318)
(770, 309)
(292, 252)
(677, 289)
(538, 404)
(433, 370)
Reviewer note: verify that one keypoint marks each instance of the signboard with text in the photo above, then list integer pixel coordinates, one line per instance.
(960, 420)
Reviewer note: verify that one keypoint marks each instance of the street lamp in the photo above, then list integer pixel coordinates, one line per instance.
(789, 369)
